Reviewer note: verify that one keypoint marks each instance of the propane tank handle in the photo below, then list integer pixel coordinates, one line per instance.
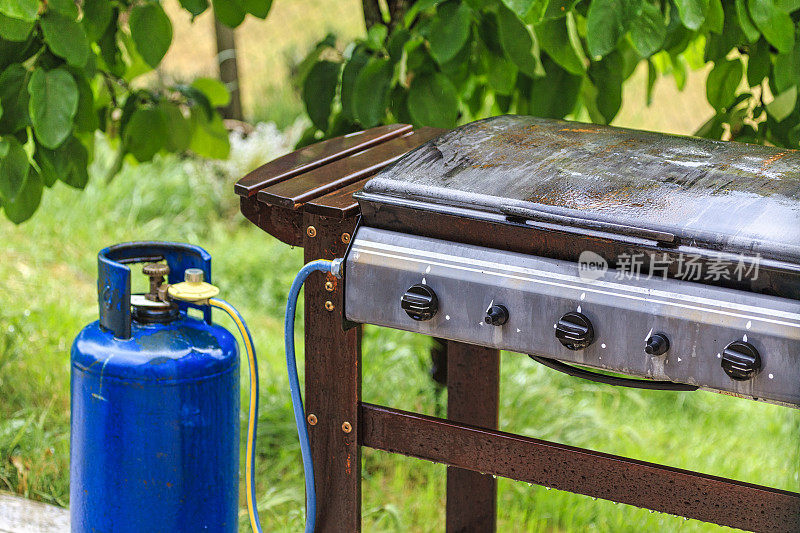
(114, 277)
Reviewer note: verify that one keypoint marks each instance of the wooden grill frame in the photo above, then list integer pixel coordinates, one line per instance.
(305, 199)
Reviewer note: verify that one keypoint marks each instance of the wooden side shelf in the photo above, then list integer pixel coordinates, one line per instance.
(305, 199)
(320, 179)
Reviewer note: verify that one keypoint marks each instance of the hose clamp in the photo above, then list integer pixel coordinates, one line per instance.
(337, 267)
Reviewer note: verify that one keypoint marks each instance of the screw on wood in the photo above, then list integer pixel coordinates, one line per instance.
(346, 238)
(312, 419)
(329, 286)
(329, 305)
(346, 427)
(311, 231)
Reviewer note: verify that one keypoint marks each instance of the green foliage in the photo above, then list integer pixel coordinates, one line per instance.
(69, 69)
(52, 105)
(445, 62)
(151, 31)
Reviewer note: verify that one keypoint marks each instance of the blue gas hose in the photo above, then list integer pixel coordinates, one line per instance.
(294, 384)
(294, 389)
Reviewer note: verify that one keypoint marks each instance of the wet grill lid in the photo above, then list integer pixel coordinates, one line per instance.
(725, 196)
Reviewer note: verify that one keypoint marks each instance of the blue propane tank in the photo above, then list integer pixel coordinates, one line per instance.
(155, 405)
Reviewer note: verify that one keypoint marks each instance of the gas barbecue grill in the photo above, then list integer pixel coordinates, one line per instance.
(673, 261)
(478, 237)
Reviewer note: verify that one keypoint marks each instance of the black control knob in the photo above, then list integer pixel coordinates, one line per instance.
(575, 331)
(741, 361)
(420, 302)
(497, 315)
(657, 344)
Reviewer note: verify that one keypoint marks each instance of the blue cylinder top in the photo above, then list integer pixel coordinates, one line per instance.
(184, 349)
(114, 277)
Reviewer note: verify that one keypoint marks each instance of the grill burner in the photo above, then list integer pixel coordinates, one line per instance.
(522, 233)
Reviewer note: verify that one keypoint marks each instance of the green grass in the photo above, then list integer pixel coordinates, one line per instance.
(47, 293)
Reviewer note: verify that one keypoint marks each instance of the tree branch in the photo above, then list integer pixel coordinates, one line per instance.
(397, 10)
(372, 12)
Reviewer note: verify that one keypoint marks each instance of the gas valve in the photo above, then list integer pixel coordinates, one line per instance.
(741, 361)
(420, 302)
(574, 330)
(496, 315)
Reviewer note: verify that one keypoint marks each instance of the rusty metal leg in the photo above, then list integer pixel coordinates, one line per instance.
(473, 395)
(333, 384)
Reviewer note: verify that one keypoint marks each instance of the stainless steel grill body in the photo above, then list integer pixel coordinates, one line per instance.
(699, 320)
(476, 236)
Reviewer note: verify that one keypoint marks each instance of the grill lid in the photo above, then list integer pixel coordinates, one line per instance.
(719, 195)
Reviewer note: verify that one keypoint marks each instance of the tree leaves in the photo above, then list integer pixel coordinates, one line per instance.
(14, 29)
(179, 129)
(776, 25)
(449, 31)
(62, 78)
(319, 88)
(371, 91)
(86, 119)
(521, 8)
(442, 59)
(558, 8)
(96, 16)
(14, 98)
(692, 12)
(358, 59)
(209, 137)
(516, 42)
(257, 8)
(24, 205)
(603, 26)
(745, 22)
(68, 163)
(483, 57)
(787, 68)
(52, 106)
(722, 83)
(554, 38)
(65, 38)
(648, 30)
(13, 168)
(195, 7)
(432, 101)
(556, 94)
(214, 90)
(229, 12)
(52, 164)
(715, 16)
(788, 6)
(758, 63)
(151, 31)
(500, 73)
(607, 76)
(78, 157)
(145, 133)
(783, 104)
(20, 185)
(20, 9)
